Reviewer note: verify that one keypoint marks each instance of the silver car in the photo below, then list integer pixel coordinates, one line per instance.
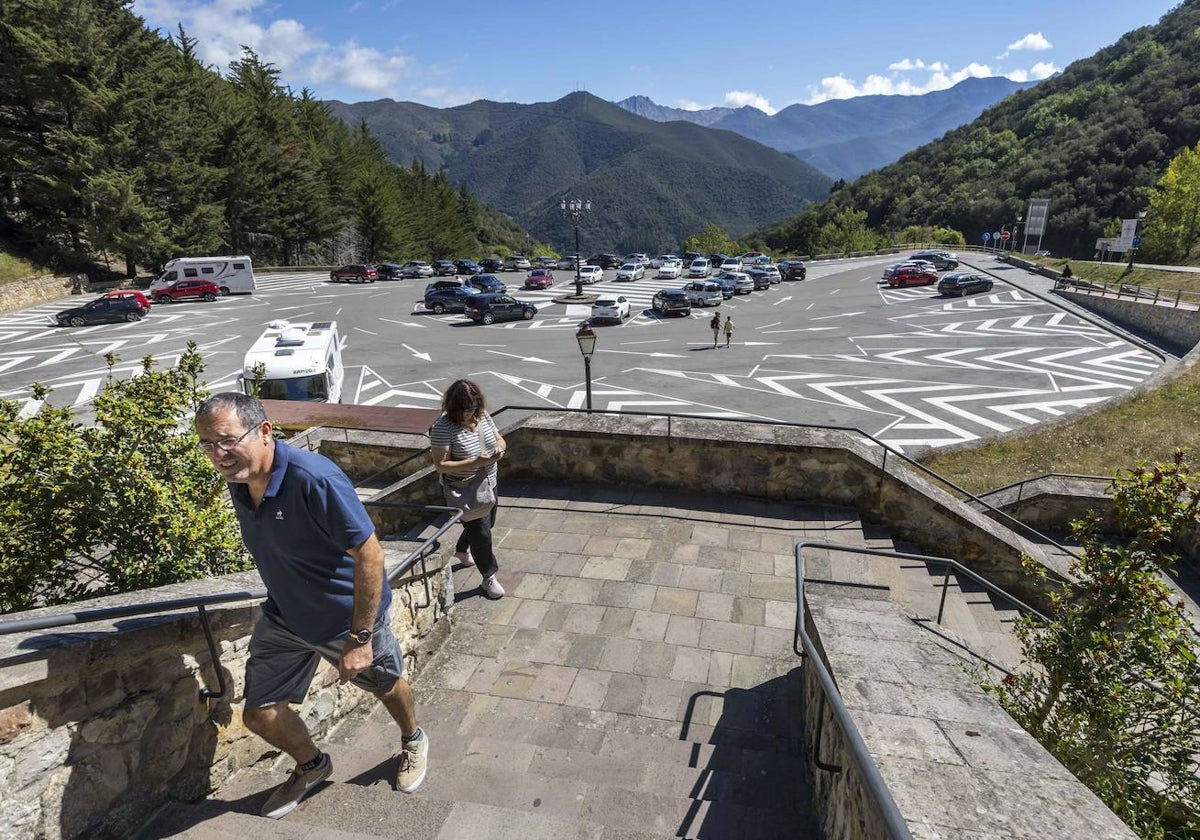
(704, 293)
(631, 271)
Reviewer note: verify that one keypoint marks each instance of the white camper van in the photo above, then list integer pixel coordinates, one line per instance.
(300, 361)
(233, 275)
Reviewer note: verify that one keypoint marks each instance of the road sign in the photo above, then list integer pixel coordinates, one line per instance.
(996, 235)
(1005, 235)
(986, 236)
(1137, 242)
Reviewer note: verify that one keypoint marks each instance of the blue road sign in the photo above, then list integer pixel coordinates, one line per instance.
(986, 236)
(1137, 242)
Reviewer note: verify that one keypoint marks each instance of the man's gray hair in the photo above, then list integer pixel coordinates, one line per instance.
(249, 410)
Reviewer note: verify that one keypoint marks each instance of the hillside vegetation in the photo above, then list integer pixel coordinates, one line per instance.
(650, 183)
(121, 149)
(1094, 140)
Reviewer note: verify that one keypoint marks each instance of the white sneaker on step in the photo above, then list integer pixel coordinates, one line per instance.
(463, 558)
(492, 590)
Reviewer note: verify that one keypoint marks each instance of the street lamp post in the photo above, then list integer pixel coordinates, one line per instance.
(587, 345)
(574, 211)
(1016, 228)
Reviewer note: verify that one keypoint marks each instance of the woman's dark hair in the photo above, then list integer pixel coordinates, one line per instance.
(464, 398)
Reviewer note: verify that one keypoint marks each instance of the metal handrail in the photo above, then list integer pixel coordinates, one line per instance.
(1012, 521)
(1020, 485)
(1136, 292)
(420, 554)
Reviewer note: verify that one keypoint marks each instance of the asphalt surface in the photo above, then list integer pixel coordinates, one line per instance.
(839, 348)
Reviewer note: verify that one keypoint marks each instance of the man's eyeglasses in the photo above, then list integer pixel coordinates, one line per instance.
(224, 444)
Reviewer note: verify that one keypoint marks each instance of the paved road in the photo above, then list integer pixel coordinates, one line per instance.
(838, 349)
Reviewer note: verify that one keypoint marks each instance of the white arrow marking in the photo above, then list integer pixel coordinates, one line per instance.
(403, 323)
(801, 329)
(424, 356)
(528, 358)
(785, 299)
(640, 353)
(839, 315)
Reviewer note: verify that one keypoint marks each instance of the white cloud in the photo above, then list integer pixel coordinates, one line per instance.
(1039, 71)
(440, 97)
(940, 78)
(360, 68)
(740, 98)
(907, 64)
(689, 105)
(1035, 41)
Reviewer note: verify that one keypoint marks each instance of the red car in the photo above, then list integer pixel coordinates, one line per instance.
(128, 294)
(185, 289)
(913, 275)
(357, 273)
(540, 278)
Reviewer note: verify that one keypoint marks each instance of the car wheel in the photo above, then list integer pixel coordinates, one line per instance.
(132, 317)
(209, 296)
(488, 319)
(163, 299)
(989, 286)
(439, 308)
(360, 279)
(333, 278)
(78, 322)
(527, 314)
(224, 291)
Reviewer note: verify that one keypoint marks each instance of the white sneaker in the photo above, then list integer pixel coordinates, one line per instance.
(492, 590)
(463, 558)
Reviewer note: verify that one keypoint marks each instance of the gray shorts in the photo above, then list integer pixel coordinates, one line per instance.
(282, 665)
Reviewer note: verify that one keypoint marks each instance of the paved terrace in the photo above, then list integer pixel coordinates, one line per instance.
(637, 682)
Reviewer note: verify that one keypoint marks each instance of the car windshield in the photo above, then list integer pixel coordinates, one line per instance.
(306, 388)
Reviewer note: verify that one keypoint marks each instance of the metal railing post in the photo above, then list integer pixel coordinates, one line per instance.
(945, 587)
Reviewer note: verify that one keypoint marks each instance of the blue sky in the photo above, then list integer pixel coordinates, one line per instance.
(766, 53)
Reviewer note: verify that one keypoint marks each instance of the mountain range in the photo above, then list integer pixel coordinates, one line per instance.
(845, 138)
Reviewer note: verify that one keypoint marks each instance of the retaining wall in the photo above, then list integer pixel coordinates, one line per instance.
(1176, 328)
(33, 291)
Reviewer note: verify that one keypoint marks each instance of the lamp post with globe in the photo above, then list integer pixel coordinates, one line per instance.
(575, 211)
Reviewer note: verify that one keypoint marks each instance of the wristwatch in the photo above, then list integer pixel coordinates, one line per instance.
(361, 636)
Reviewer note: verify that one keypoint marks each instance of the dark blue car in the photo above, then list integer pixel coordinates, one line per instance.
(449, 300)
(487, 283)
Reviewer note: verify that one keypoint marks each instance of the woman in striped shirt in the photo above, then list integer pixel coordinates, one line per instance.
(465, 440)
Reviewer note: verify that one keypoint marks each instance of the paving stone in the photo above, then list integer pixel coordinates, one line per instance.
(716, 606)
(625, 693)
(616, 621)
(710, 535)
(574, 590)
(720, 665)
(533, 586)
(553, 683)
(676, 601)
(530, 614)
(719, 557)
(473, 821)
(651, 626)
(585, 651)
(781, 614)
(623, 593)
(569, 565)
(600, 546)
(691, 665)
(583, 618)
(551, 648)
(700, 578)
(589, 689)
(606, 568)
(686, 554)
(748, 611)
(683, 630)
(561, 541)
(515, 679)
(661, 698)
(655, 659)
(497, 754)
(620, 655)
(774, 643)
(731, 638)
(665, 574)
(735, 583)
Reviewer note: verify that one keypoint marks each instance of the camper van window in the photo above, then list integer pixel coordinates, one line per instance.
(305, 388)
(206, 271)
(190, 272)
(239, 266)
(170, 277)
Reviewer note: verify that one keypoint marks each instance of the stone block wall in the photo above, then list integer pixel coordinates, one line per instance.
(1177, 328)
(32, 291)
(102, 723)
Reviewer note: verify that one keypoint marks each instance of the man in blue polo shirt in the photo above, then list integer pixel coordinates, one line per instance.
(328, 594)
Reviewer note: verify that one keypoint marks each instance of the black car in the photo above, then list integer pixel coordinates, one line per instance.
(449, 300)
(605, 261)
(390, 271)
(959, 284)
(444, 268)
(102, 311)
(492, 265)
(468, 267)
(942, 260)
(667, 301)
(715, 260)
(792, 269)
(490, 308)
(487, 283)
(761, 279)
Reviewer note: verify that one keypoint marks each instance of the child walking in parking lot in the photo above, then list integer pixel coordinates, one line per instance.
(728, 329)
(715, 325)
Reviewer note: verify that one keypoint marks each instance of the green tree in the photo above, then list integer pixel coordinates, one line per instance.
(1113, 683)
(124, 504)
(712, 239)
(847, 233)
(1172, 229)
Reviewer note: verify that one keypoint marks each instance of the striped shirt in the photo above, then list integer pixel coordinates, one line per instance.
(464, 443)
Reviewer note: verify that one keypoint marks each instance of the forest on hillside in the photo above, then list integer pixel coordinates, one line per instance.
(1095, 140)
(119, 149)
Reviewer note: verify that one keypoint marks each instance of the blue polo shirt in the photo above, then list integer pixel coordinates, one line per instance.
(299, 537)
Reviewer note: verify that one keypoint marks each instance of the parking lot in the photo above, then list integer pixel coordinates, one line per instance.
(836, 349)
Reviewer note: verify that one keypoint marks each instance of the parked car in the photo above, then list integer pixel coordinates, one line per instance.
(704, 293)
(490, 308)
(605, 261)
(354, 273)
(1037, 255)
(416, 268)
(670, 270)
(716, 259)
(771, 270)
(517, 262)
(492, 265)
(566, 263)
(388, 271)
(189, 290)
(631, 271)
(102, 311)
(591, 274)
(539, 278)
(449, 300)
(544, 262)
(749, 257)
(637, 257)
(958, 284)
(913, 275)
(699, 267)
(448, 283)
(793, 269)
(942, 260)
(742, 284)
(731, 264)
(760, 279)
(667, 301)
(444, 268)
(468, 268)
(128, 294)
(487, 283)
(658, 261)
(610, 309)
(690, 257)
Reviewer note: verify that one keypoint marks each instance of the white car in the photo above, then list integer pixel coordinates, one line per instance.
(631, 271)
(658, 261)
(610, 309)
(517, 262)
(772, 272)
(670, 270)
(591, 273)
(742, 284)
(699, 268)
(638, 257)
(704, 293)
(416, 268)
(731, 264)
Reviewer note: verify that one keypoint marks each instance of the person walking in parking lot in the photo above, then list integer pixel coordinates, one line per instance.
(728, 329)
(327, 591)
(715, 325)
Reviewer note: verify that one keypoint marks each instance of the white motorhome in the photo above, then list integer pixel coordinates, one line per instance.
(299, 361)
(233, 275)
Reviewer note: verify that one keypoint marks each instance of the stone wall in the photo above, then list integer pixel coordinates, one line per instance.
(101, 723)
(1176, 328)
(31, 292)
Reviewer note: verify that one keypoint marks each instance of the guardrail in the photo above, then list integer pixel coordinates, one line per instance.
(1020, 485)
(1175, 298)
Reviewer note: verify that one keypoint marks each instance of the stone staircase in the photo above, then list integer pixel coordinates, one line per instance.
(638, 682)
